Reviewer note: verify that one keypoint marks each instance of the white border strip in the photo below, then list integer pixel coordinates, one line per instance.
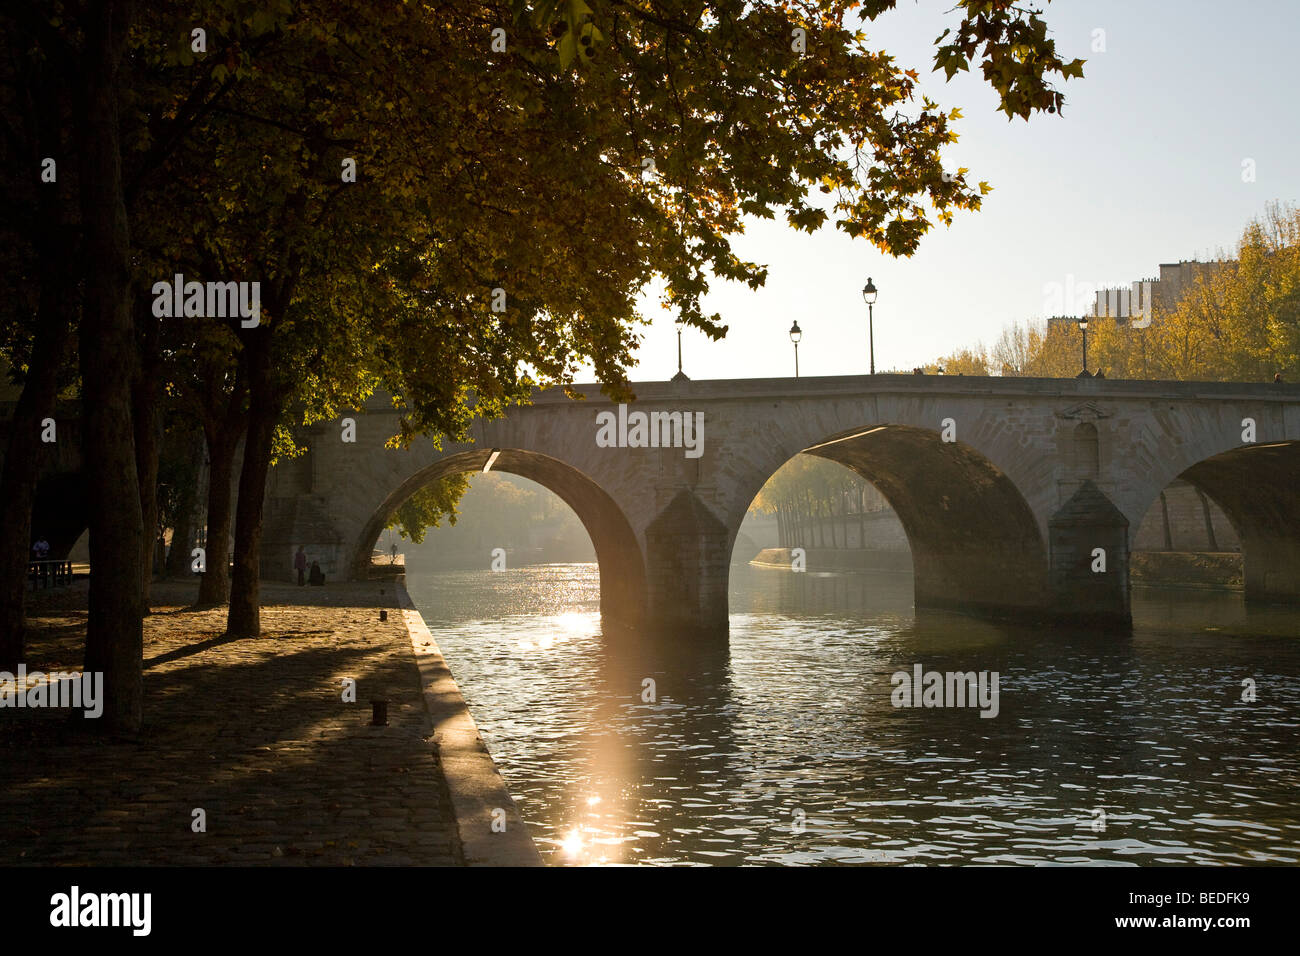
(473, 780)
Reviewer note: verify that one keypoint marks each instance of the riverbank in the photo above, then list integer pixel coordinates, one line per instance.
(249, 753)
(1187, 569)
(1166, 569)
(836, 559)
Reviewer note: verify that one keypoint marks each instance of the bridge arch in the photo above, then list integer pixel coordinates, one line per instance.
(622, 570)
(1245, 457)
(976, 544)
(1258, 488)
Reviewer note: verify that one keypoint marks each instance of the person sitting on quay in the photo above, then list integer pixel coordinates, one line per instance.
(317, 577)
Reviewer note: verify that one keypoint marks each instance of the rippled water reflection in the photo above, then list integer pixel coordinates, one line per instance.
(785, 748)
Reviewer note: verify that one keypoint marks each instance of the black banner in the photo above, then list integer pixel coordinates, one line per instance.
(365, 906)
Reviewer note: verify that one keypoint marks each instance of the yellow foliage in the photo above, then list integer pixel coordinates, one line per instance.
(1239, 324)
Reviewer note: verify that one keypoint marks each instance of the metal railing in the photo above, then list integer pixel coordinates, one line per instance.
(48, 574)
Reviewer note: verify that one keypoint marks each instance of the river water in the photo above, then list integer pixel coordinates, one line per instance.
(784, 745)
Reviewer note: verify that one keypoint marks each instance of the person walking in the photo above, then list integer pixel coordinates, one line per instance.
(300, 565)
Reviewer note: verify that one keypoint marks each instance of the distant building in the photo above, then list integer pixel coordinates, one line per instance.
(1136, 302)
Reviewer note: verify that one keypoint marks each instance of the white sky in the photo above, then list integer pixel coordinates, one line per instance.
(1143, 167)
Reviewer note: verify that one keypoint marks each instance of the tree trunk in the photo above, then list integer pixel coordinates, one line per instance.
(144, 398)
(18, 485)
(1164, 514)
(55, 244)
(222, 436)
(179, 557)
(1211, 541)
(177, 562)
(114, 628)
(244, 618)
(862, 517)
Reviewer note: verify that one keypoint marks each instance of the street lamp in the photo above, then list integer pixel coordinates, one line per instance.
(680, 376)
(796, 334)
(1083, 327)
(869, 297)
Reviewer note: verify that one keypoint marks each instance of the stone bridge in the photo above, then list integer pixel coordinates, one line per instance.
(1007, 487)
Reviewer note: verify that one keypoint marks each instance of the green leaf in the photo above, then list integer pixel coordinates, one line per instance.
(568, 48)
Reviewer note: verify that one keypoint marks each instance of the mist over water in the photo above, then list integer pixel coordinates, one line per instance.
(783, 746)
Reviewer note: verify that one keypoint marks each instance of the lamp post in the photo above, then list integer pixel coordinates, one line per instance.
(680, 376)
(869, 297)
(1083, 327)
(796, 334)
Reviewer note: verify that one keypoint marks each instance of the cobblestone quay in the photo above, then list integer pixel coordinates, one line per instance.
(254, 733)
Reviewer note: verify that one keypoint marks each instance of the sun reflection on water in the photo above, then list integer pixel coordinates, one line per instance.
(572, 844)
(557, 629)
(797, 713)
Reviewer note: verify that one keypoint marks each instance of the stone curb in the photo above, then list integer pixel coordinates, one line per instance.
(473, 780)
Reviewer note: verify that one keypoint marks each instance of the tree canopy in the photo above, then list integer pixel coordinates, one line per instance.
(454, 201)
